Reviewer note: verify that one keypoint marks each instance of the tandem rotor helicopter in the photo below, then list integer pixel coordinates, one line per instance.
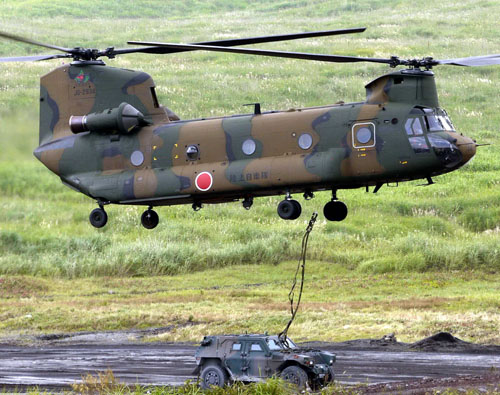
(104, 133)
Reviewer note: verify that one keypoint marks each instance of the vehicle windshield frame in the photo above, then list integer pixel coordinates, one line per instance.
(275, 344)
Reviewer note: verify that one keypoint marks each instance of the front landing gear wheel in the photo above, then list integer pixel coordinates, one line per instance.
(98, 218)
(295, 375)
(289, 209)
(335, 211)
(213, 376)
(149, 219)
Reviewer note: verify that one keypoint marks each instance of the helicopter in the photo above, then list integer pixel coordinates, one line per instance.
(103, 131)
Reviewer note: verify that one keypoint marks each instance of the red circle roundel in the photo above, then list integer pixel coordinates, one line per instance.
(204, 181)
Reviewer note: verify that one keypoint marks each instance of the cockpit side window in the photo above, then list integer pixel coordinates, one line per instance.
(413, 127)
(419, 144)
(415, 132)
(153, 96)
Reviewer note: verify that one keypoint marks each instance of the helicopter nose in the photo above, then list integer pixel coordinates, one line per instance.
(467, 147)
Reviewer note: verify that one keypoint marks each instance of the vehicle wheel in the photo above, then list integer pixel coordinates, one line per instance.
(149, 219)
(331, 376)
(295, 375)
(316, 383)
(213, 376)
(289, 209)
(335, 211)
(98, 218)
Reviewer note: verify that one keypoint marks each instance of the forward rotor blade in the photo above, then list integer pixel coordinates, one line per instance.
(473, 61)
(242, 41)
(263, 52)
(281, 37)
(33, 42)
(34, 58)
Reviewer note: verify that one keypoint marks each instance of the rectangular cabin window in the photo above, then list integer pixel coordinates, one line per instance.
(155, 99)
(255, 347)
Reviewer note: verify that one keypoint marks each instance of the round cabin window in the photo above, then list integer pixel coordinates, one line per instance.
(137, 158)
(305, 141)
(364, 135)
(192, 152)
(248, 147)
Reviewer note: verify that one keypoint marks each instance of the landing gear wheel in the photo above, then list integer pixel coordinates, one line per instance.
(247, 203)
(213, 376)
(98, 217)
(298, 209)
(149, 219)
(295, 375)
(335, 211)
(289, 209)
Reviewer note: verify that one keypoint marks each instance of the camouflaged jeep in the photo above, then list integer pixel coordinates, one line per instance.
(228, 358)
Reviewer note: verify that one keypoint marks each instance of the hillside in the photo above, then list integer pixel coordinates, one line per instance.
(433, 239)
(451, 225)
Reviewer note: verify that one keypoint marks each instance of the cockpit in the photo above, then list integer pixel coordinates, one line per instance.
(427, 129)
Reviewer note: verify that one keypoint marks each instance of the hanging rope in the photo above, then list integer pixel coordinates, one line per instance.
(301, 264)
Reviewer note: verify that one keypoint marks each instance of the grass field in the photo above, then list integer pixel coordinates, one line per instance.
(430, 256)
(337, 304)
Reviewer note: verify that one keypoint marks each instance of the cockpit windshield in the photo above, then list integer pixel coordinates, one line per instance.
(438, 122)
(276, 344)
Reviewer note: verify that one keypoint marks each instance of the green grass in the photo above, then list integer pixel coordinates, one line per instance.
(338, 303)
(450, 230)
(106, 383)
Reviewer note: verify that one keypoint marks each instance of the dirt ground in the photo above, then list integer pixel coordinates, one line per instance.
(370, 366)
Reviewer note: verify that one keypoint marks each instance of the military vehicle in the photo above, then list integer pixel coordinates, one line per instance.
(249, 358)
(105, 134)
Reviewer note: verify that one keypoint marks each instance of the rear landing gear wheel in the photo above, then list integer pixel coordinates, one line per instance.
(149, 219)
(335, 211)
(98, 217)
(289, 209)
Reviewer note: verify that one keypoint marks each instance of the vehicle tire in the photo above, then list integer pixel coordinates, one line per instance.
(98, 218)
(331, 376)
(295, 375)
(316, 383)
(289, 209)
(335, 211)
(149, 219)
(213, 375)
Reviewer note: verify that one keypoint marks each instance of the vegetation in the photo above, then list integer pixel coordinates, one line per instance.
(407, 259)
(338, 304)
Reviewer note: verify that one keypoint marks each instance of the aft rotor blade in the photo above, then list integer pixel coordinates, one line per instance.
(473, 61)
(13, 37)
(263, 52)
(34, 58)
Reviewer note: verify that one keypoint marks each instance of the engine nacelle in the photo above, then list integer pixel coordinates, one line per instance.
(122, 120)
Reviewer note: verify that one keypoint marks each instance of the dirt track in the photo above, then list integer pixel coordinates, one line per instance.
(59, 361)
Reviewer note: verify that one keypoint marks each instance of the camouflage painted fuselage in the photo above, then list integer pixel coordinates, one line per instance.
(399, 133)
